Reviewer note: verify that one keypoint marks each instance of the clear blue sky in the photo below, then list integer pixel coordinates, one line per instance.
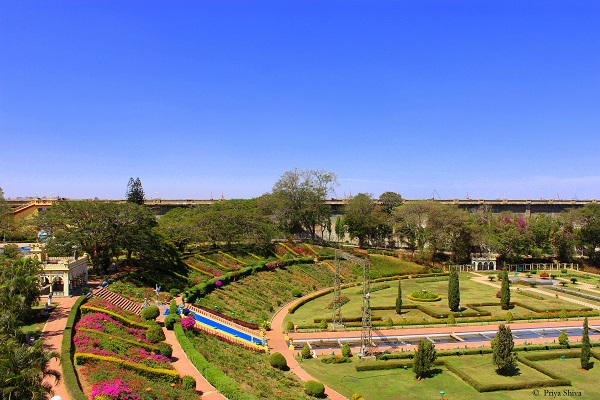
(491, 98)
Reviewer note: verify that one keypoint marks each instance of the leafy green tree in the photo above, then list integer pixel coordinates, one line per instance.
(103, 230)
(24, 371)
(300, 200)
(389, 201)
(505, 290)
(176, 227)
(424, 358)
(502, 347)
(588, 219)
(585, 345)
(231, 221)
(399, 298)
(135, 192)
(454, 290)
(361, 219)
(539, 232)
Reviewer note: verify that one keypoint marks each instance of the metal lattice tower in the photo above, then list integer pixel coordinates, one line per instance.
(336, 318)
(366, 336)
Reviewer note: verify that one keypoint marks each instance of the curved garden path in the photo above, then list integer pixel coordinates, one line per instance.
(277, 343)
(184, 366)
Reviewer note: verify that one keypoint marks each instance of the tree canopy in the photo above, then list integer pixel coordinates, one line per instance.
(299, 200)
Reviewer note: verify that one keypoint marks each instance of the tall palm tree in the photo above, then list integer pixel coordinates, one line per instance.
(24, 369)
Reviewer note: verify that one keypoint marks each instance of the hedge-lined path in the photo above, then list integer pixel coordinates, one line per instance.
(52, 335)
(277, 343)
(184, 366)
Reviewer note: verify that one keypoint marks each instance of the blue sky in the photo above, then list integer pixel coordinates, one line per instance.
(197, 98)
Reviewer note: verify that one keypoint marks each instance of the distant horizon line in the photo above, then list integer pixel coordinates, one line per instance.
(166, 200)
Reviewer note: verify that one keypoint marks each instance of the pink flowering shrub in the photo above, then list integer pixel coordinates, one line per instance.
(113, 389)
(188, 322)
(103, 323)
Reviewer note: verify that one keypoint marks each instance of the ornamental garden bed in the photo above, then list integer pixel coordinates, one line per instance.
(114, 356)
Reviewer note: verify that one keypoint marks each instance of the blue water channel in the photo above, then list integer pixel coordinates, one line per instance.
(227, 329)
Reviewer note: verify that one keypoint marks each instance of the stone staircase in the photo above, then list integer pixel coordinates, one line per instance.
(118, 300)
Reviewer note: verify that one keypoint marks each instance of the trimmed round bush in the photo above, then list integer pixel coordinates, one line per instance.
(323, 324)
(188, 382)
(296, 292)
(165, 349)
(174, 292)
(306, 352)
(277, 360)
(150, 313)
(346, 351)
(315, 389)
(155, 334)
(289, 326)
(171, 320)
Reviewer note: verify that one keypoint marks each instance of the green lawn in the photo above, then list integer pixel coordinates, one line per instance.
(585, 382)
(471, 292)
(400, 383)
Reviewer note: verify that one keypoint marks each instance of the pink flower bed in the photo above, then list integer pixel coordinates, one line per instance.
(99, 344)
(113, 389)
(103, 323)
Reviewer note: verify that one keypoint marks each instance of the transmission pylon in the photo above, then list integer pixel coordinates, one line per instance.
(366, 336)
(336, 318)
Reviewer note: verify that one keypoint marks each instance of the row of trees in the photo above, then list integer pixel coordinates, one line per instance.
(431, 229)
(297, 206)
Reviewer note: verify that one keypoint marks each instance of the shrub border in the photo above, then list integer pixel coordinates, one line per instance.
(68, 368)
(223, 383)
(169, 375)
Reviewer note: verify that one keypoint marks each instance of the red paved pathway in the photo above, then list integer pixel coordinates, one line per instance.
(185, 367)
(52, 336)
(276, 342)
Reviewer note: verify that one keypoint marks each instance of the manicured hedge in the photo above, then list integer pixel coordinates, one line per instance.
(483, 350)
(438, 298)
(223, 383)
(167, 375)
(124, 320)
(68, 369)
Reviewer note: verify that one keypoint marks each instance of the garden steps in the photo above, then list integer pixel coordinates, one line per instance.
(118, 300)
